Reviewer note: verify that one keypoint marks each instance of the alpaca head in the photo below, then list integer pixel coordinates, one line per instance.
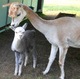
(19, 31)
(16, 12)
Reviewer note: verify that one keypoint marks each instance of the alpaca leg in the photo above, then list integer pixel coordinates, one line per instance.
(26, 59)
(34, 60)
(34, 57)
(62, 55)
(20, 64)
(16, 63)
(54, 50)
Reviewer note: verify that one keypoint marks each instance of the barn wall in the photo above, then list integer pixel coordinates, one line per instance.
(4, 19)
(3, 13)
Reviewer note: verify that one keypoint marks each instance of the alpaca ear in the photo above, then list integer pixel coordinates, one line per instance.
(20, 5)
(5, 5)
(25, 26)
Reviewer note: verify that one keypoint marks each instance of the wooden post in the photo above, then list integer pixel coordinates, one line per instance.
(40, 5)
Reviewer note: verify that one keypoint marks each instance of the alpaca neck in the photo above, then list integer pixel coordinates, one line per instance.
(36, 21)
(16, 41)
(17, 45)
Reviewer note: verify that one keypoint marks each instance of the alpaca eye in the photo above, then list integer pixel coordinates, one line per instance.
(18, 14)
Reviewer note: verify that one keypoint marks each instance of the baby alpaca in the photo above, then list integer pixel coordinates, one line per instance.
(23, 43)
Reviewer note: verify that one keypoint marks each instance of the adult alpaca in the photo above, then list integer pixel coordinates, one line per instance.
(61, 33)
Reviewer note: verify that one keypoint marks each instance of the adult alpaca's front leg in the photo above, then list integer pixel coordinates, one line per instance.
(54, 50)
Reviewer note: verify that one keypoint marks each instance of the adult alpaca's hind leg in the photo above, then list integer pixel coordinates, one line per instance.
(62, 56)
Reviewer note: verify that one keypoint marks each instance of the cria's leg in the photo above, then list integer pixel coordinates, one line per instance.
(62, 55)
(26, 59)
(20, 64)
(34, 57)
(16, 63)
(54, 50)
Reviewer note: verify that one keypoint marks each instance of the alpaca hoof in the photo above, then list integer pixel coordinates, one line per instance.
(44, 72)
(15, 74)
(61, 77)
(25, 65)
(19, 74)
(34, 66)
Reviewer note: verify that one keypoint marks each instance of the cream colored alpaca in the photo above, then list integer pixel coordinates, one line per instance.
(61, 33)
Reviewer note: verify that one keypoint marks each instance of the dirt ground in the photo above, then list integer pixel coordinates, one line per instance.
(72, 63)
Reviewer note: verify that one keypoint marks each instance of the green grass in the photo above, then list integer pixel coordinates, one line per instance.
(54, 9)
